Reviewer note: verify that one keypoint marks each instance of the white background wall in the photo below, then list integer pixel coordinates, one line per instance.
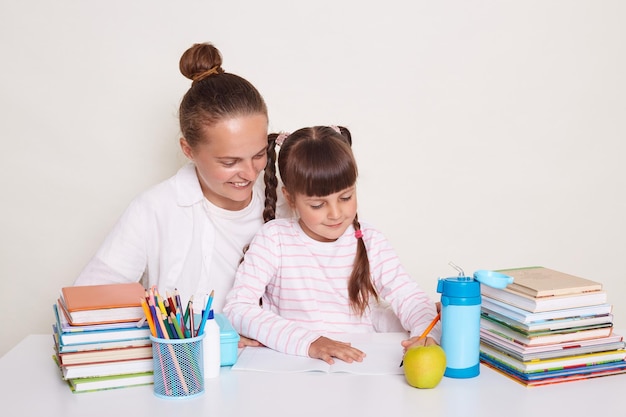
(489, 133)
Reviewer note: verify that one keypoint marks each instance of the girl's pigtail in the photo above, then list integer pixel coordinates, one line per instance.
(360, 286)
(271, 181)
(346, 134)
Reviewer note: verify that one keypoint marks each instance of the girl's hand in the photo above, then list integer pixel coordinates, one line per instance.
(326, 349)
(416, 341)
(244, 341)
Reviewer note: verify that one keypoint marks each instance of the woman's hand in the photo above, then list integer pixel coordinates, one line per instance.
(326, 349)
(244, 341)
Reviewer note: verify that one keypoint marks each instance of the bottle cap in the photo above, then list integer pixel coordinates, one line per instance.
(492, 278)
(459, 287)
(463, 291)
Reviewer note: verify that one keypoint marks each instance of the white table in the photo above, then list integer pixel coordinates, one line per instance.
(31, 385)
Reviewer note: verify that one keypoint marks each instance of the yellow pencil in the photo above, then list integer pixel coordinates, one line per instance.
(161, 305)
(146, 311)
(427, 330)
(430, 326)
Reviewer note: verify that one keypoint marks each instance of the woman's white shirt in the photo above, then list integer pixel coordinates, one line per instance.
(172, 237)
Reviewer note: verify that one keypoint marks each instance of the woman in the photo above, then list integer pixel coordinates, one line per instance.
(188, 233)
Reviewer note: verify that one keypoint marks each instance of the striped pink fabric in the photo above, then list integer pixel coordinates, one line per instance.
(303, 285)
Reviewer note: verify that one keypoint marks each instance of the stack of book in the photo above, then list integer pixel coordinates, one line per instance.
(101, 339)
(549, 327)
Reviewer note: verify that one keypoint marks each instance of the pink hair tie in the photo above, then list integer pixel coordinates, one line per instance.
(280, 139)
(358, 234)
(335, 128)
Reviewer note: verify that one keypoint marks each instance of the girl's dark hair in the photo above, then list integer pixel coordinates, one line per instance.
(214, 94)
(318, 161)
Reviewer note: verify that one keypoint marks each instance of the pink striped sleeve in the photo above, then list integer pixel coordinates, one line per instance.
(259, 269)
(412, 305)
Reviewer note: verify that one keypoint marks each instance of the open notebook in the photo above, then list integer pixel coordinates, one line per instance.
(383, 356)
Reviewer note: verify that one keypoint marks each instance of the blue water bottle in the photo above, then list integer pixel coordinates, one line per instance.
(460, 321)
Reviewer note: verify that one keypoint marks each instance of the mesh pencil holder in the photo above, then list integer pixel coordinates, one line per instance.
(178, 367)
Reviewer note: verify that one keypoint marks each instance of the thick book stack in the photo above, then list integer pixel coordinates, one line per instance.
(101, 340)
(549, 327)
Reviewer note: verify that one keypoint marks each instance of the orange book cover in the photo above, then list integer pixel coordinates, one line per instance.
(96, 297)
(107, 303)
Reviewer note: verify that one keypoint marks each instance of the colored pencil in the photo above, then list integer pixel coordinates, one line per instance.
(192, 329)
(427, 330)
(179, 304)
(146, 311)
(430, 327)
(179, 331)
(205, 313)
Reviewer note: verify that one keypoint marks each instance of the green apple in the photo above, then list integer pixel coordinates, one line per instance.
(424, 366)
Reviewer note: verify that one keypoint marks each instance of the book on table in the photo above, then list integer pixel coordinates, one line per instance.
(77, 335)
(526, 317)
(122, 367)
(104, 355)
(66, 327)
(107, 303)
(555, 350)
(556, 376)
(538, 281)
(383, 350)
(541, 304)
(549, 364)
(546, 325)
(549, 327)
(553, 363)
(98, 383)
(548, 337)
(101, 339)
(87, 347)
(100, 336)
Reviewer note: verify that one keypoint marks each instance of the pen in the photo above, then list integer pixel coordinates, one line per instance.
(427, 330)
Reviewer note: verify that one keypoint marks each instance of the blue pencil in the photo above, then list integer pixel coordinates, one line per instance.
(154, 316)
(205, 313)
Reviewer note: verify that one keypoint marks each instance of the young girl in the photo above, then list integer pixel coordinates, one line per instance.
(322, 272)
(188, 233)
